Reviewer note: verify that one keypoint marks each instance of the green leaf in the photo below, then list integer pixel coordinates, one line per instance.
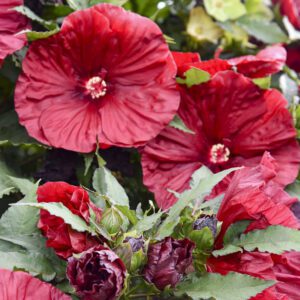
(179, 124)
(274, 239)
(112, 220)
(235, 230)
(115, 2)
(202, 183)
(294, 189)
(59, 210)
(263, 30)
(78, 4)
(106, 184)
(32, 16)
(38, 35)
(203, 238)
(194, 76)
(264, 83)
(147, 222)
(225, 10)
(219, 287)
(88, 160)
(130, 214)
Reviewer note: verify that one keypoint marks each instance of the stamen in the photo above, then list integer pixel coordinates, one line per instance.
(96, 87)
(219, 153)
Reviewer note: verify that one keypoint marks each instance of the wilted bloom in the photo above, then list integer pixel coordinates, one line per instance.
(168, 262)
(21, 285)
(11, 23)
(108, 76)
(206, 221)
(135, 243)
(266, 62)
(60, 236)
(98, 274)
(253, 194)
(234, 123)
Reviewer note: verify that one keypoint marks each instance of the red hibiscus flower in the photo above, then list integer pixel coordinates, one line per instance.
(291, 9)
(107, 76)
(60, 236)
(11, 23)
(20, 285)
(254, 195)
(234, 122)
(267, 62)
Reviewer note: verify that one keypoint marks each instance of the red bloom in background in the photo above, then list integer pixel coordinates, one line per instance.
(267, 62)
(293, 57)
(234, 122)
(60, 236)
(254, 195)
(11, 23)
(108, 75)
(291, 9)
(20, 285)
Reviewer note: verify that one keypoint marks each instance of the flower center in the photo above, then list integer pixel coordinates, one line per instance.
(219, 153)
(96, 87)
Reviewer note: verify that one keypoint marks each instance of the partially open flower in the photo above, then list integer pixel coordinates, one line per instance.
(168, 261)
(98, 274)
(60, 236)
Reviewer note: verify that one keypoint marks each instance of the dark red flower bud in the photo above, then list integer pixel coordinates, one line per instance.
(135, 243)
(168, 261)
(206, 221)
(98, 274)
(60, 236)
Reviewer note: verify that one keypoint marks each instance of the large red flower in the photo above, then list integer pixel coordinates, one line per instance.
(267, 62)
(20, 285)
(234, 123)
(11, 23)
(107, 76)
(60, 236)
(254, 195)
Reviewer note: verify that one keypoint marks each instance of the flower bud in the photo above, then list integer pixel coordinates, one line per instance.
(135, 243)
(206, 221)
(98, 274)
(168, 261)
(112, 220)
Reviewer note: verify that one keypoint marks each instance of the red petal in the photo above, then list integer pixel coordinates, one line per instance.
(20, 285)
(182, 58)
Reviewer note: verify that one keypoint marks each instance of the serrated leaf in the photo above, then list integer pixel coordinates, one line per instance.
(235, 230)
(32, 16)
(194, 76)
(263, 30)
(274, 239)
(219, 287)
(179, 124)
(59, 210)
(147, 222)
(106, 184)
(225, 10)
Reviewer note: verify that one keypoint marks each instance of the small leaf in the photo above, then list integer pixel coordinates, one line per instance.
(274, 239)
(106, 184)
(179, 124)
(147, 222)
(225, 10)
(264, 83)
(219, 287)
(194, 76)
(32, 16)
(59, 210)
(263, 30)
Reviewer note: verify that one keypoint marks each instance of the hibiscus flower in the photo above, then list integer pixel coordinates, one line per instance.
(11, 23)
(234, 122)
(254, 195)
(107, 76)
(291, 9)
(20, 285)
(267, 62)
